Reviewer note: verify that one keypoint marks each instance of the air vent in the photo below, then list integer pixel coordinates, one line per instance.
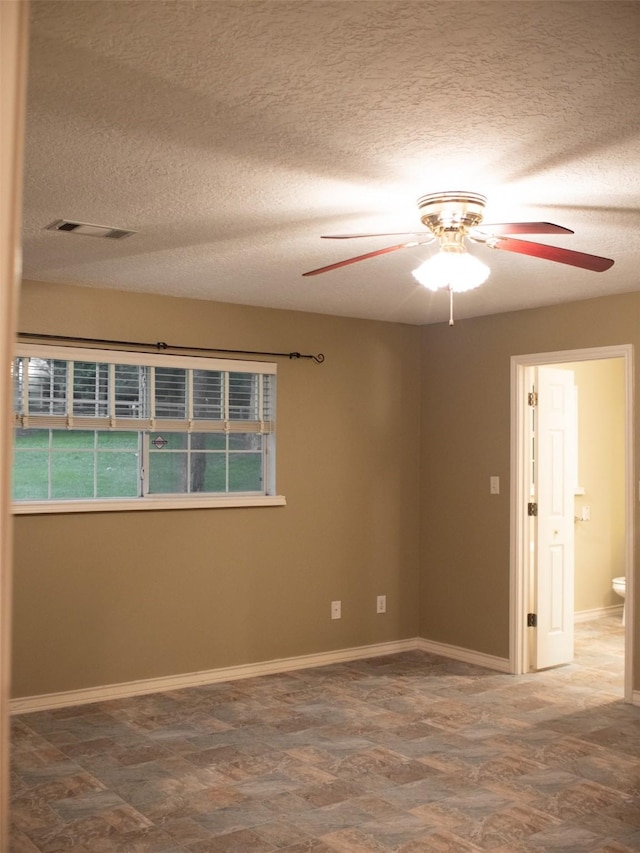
(88, 230)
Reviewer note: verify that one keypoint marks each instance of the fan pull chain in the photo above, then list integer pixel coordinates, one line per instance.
(450, 306)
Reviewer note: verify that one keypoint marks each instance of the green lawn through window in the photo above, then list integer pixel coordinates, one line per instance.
(77, 464)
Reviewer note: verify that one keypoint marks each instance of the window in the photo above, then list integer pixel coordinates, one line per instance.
(130, 430)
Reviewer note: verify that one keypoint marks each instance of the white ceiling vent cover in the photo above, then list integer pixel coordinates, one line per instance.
(89, 230)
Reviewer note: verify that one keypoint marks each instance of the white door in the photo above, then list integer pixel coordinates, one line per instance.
(554, 474)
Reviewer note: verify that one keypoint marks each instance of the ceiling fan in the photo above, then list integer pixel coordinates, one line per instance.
(451, 218)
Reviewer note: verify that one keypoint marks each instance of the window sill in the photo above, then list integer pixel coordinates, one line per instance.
(128, 504)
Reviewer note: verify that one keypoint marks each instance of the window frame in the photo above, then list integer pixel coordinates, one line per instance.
(188, 500)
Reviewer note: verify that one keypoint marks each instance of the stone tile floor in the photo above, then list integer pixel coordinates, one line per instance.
(409, 753)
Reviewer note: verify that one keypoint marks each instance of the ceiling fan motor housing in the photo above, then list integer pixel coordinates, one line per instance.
(451, 215)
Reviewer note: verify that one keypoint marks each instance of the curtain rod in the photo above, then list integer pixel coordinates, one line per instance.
(161, 346)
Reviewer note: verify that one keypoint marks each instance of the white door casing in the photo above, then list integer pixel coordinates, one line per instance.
(520, 559)
(14, 29)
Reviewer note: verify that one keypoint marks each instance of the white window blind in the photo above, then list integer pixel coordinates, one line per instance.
(96, 389)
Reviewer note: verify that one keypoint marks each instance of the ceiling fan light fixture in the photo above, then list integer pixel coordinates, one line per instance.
(455, 270)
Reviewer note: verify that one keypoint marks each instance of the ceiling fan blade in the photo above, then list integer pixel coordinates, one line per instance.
(389, 234)
(551, 253)
(525, 228)
(363, 257)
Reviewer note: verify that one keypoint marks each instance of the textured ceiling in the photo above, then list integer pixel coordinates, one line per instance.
(231, 135)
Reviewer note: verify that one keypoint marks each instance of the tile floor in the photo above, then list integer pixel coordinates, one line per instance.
(410, 753)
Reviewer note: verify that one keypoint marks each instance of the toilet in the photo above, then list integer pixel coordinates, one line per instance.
(619, 585)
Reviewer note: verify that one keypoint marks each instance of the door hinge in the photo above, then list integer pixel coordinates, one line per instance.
(532, 508)
(532, 620)
(532, 398)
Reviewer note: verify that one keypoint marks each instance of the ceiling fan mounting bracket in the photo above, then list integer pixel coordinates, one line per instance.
(451, 215)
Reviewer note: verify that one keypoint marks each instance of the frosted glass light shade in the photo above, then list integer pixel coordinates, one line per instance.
(456, 270)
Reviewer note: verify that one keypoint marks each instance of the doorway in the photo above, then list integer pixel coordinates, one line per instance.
(522, 658)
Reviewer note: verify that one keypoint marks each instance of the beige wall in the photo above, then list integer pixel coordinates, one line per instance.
(106, 598)
(465, 427)
(385, 454)
(599, 542)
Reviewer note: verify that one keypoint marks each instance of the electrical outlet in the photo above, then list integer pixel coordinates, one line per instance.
(381, 604)
(494, 485)
(336, 610)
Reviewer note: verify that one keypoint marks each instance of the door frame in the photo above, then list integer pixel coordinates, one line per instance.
(14, 29)
(519, 539)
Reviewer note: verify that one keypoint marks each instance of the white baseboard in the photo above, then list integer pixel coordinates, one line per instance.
(597, 613)
(162, 684)
(465, 655)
